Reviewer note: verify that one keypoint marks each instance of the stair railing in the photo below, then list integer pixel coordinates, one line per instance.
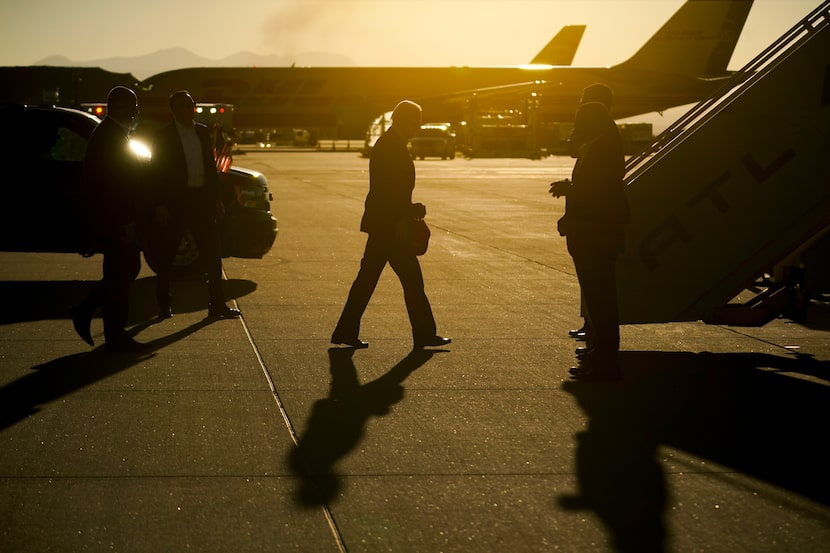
(762, 64)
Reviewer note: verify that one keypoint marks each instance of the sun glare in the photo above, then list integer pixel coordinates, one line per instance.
(140, 149)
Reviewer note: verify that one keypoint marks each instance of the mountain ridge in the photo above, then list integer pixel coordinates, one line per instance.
(168, 59)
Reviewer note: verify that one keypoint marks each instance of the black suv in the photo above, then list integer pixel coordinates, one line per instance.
(46, 147)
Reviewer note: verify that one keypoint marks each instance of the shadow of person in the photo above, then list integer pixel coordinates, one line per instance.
(27, 301)
(617, 470)
(747, 411)
(57, 378)
(189, 296)
(337, 422)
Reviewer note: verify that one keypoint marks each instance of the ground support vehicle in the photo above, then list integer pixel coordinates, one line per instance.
(433, 140)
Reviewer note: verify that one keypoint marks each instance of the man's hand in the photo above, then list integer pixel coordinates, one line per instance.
(419, 211)
(562, 225)
(560, 188)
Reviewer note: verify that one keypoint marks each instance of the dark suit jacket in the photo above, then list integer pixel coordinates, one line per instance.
(114, 180)
(391, 180)
(170, 167)
(596, 206)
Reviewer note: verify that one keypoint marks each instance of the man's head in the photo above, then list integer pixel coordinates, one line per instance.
(406, 118)
(122, 105)
(591, 120)
(182, 104)
(598, 92)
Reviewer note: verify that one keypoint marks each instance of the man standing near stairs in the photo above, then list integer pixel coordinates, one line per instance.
(595, 215)
(602, 93)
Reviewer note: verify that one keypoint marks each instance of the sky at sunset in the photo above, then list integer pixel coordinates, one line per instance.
(370, 32)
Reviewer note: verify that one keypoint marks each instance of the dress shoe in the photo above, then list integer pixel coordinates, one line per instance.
(355, 343)
(81, 320)
(223, 312)
(125, 345)
(432, 341)
(580, 334)
(573, 332)
(583, 351)
(596, 367)
(165, 313)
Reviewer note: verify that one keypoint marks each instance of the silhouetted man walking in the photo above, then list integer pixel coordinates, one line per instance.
(387, 218)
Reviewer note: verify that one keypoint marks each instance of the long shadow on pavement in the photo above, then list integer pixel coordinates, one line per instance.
(337, 422)
(41, 300)
(754, 413)
(57, 378)
(44, 300)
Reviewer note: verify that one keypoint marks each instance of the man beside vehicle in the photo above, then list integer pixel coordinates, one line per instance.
(114, 179)
(187, 196)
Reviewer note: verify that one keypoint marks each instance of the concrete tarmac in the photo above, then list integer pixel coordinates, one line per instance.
(258, 435)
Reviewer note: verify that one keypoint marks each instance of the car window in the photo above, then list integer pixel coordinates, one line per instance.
(69, 146)
(39, 135)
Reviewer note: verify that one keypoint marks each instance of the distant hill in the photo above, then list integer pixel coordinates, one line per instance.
(178, 58)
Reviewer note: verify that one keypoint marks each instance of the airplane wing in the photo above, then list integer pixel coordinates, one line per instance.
(561, 48)
(515, 89)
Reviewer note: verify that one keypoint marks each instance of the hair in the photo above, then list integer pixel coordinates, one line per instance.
(406, 110)
(178, 96)
(121, 96)
(598, 92)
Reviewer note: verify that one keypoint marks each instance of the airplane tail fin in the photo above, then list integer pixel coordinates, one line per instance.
(697, 40)
(561, 48)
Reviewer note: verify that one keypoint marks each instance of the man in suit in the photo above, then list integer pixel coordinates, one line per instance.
(114, 181)
(387, 217)
(596, 212)
(602, 93)
(187, 196)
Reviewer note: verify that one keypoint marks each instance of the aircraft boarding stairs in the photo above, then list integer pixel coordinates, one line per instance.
(734, 187)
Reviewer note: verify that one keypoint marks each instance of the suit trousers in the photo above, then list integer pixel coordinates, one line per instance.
(198, 215)
(596, 272)
(122, 263)
(380, 250)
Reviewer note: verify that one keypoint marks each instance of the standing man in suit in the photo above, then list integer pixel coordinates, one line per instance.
(596, 212)
(114, 194)
(188, 196)
(597, 92)
(387, 218)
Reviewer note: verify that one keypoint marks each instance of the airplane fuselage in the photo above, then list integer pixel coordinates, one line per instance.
(346, 99)
(696, 41)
